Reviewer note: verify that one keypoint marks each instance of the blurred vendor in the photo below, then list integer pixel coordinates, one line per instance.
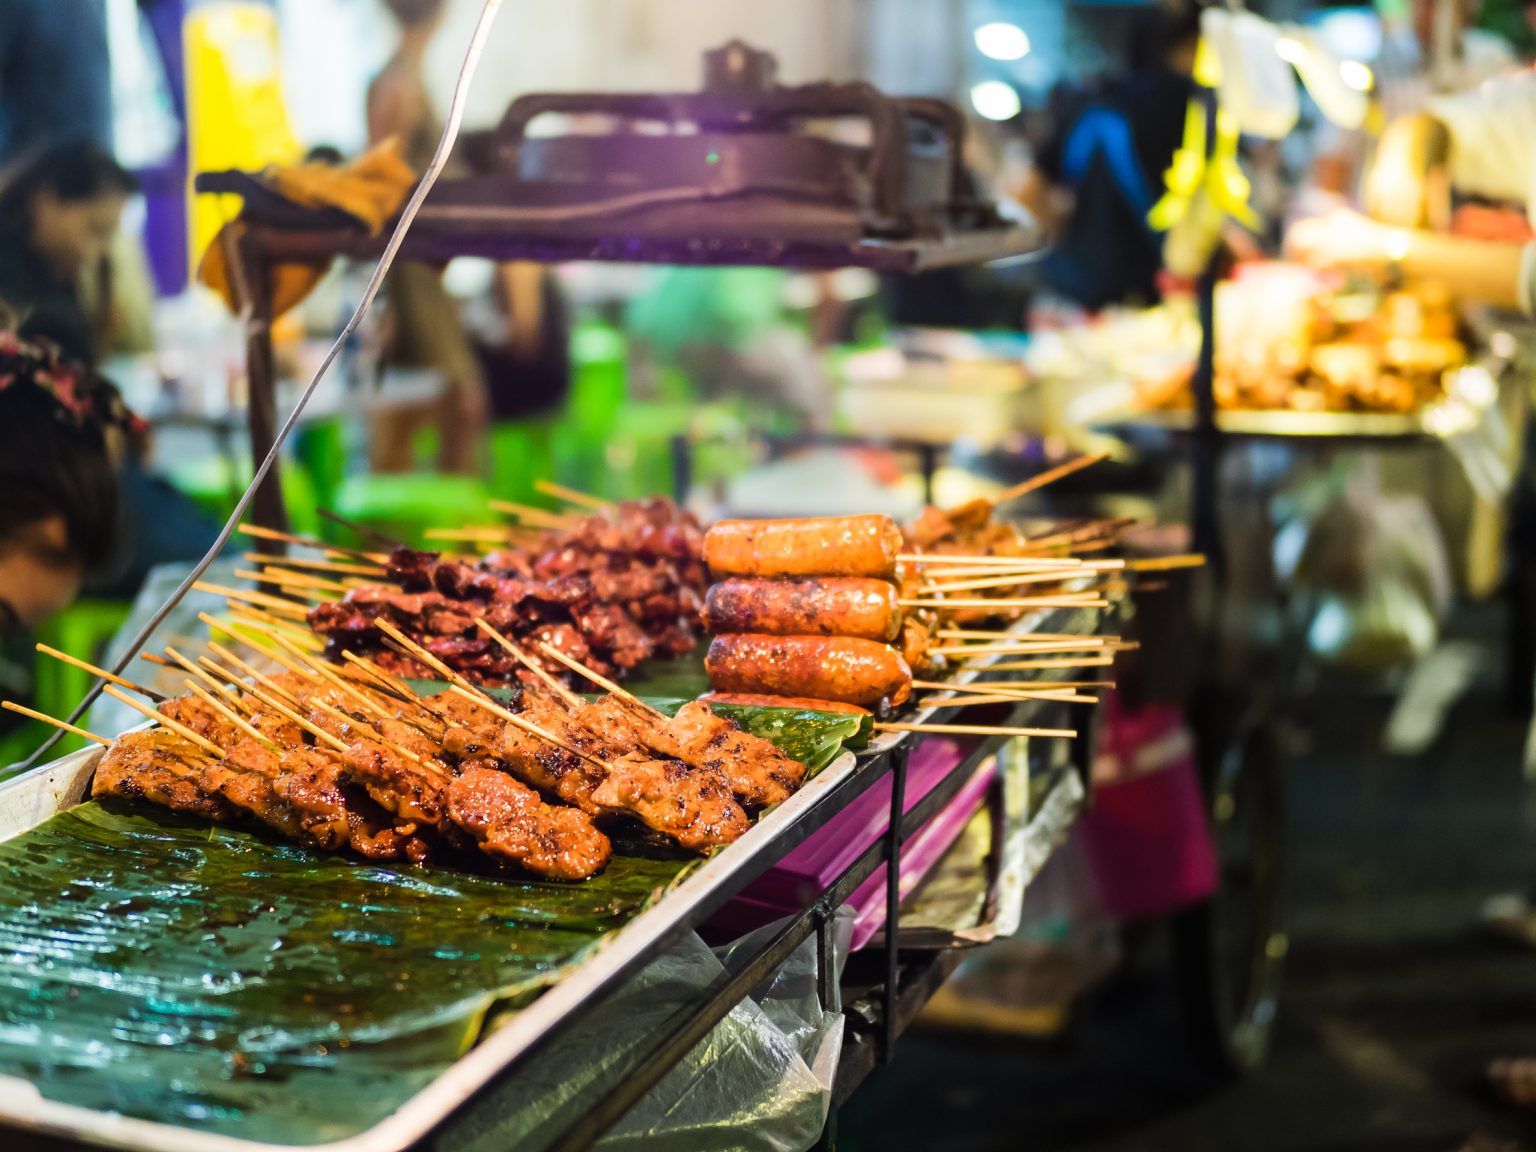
(1095, 182)
(58, 492)
(60, 211)
(1485, 142)
(424, 323)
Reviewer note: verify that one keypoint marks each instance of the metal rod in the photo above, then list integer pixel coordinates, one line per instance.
(894, 835)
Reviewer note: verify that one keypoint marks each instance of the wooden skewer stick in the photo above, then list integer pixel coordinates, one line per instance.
(187, 665)
(261, 599)
(1009, 685)
(951, 560)
(318, 667)
(296, 580)
(1060, 472)
(572, 496)
(61, 725)
(529, 514)
(99, 673)
(287, 713)
(264, 625)
(473, 535)
(225, 711)
(234, 661)
(1054, 576)
(1084, 661)
(474, 696)
(331, 550)
(1013, 698)
(602, 682)
(164, 721)
(462, 687)
(315, 565)
(1166, 563)
(571, 699)
(976, 730)
(1012, 602)
(1000, 634)
(369, 732)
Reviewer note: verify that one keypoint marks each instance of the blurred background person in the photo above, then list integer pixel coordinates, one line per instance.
(1100, 173)
(55, 75)
(60, 211)
(426, 330)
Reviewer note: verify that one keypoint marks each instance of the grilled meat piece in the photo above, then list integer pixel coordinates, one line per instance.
(694, 808)
(511, 821)
(759, 773)
(159, 766)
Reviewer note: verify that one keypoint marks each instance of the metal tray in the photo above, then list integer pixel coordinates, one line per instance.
(34, 797)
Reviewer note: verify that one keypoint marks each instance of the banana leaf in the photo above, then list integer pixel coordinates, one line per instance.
(225, 981)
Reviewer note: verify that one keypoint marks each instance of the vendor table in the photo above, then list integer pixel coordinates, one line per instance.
(461, 1099)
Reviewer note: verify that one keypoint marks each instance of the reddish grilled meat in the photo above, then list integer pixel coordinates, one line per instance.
(511, 821)
(811, 606)
(830, 546)
(758, 772)
(854, 671)
(159, 766)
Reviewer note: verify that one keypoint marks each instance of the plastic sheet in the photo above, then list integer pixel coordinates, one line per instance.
(761, 1081)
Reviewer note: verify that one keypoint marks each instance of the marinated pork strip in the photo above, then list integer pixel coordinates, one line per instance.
(248, 777)
(759, 773)
(809, 606)
(159, 766)
(826, 546)
(843, 668)
(190, 712)
(511, 821)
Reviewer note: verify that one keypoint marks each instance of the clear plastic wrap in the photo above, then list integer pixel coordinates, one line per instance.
(761, 1081)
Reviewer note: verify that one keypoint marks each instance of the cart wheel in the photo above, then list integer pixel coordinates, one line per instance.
(1230, 950)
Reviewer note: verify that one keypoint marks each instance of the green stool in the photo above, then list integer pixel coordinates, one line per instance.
(406, 504)
(522, 454)
(599, 382)
(320, 449)
(84, 629)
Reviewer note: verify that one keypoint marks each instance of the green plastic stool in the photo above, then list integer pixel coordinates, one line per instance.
(405, 505)
(84, 629)
(522, 454)
(320, 449)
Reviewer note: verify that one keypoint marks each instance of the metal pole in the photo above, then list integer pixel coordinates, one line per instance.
(1206, 446)
(267, 509)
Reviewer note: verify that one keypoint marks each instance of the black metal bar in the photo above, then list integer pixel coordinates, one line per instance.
(894, 836)
(829, 989)
(1206, 440)
(267, 508)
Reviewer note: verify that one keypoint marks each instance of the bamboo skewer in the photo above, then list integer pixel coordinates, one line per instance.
(572, 496)
(315, 565)
(995, 635)
(976, 730)
(571, 699)
(225, 711)
(369, 732)
(988, 560)
(99, 673)
(234, 661)
(1011, 602)
(601, 681)
(530, 514)
(1166, 563)
(271, 603)
(1060, 472)
(1084, 661)
(1019, 648)
(1052, 577)
(264, 625)
(287, 713)
(385, 684)
(62, 726)
(164, 721)
(295, 580)
(318, 667)
(331, 550)
(998, 698)
(470, 535)
(1009, 685)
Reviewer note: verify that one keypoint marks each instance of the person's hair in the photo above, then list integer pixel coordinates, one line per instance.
(72, 171)
(410, 13)
(52, 464)
(1160, 28)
